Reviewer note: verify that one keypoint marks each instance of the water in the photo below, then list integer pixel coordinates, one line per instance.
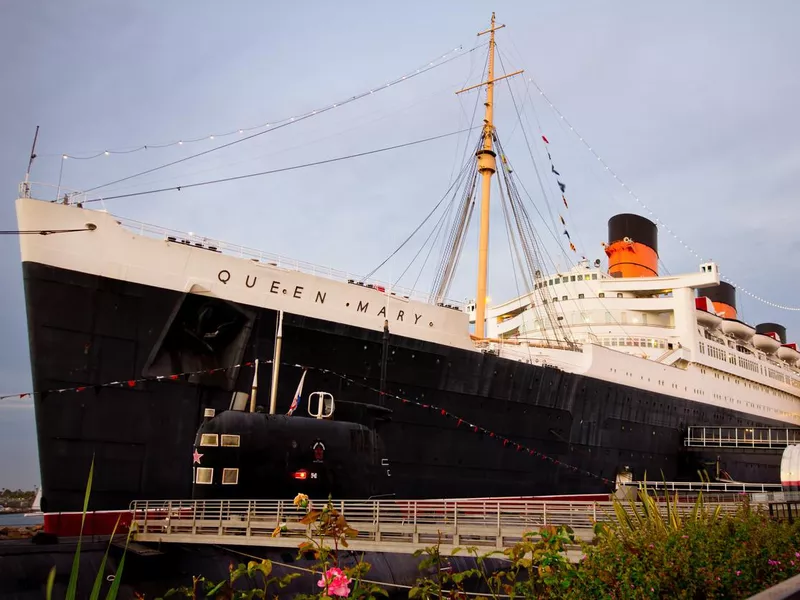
(19, 520)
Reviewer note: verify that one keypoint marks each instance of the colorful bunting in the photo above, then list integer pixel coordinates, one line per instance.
(476, 429)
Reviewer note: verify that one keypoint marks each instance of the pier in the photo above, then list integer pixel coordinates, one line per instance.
(396, 526)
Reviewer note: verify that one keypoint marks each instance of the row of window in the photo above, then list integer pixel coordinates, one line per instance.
(226, 440)
(205, 476)
(565, 279)
(745, 363)
(635, 342)
(580, 297)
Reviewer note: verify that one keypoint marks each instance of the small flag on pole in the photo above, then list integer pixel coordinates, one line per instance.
(297, 395)
(545, 140)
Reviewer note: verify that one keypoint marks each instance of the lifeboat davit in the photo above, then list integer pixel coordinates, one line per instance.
(788, 353)
(766, 342)
(738, 329)
(705, 314)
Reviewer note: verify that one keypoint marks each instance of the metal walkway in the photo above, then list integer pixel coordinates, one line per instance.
(383, 525)
(710, 489)
(764, 438)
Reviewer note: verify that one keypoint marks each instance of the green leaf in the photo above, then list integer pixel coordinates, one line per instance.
(72, 587)
(216, 588)
(114, 590)
(51, 578)
(98, 580)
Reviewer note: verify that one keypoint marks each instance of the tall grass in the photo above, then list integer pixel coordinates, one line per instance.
(72, 586)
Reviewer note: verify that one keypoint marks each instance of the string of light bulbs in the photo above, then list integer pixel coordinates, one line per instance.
(641, 203)
(437, 62)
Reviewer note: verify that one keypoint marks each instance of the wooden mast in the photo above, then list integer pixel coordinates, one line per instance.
(487, 167)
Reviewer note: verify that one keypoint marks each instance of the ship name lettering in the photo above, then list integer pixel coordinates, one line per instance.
(400, 314)
(247, 281)
(298, 291)
(362, 307)
(224, 276)
(321, 297)
(382, 312)
(417, 318)
(275, 287)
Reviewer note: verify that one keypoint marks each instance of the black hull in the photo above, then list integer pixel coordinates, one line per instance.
(87, 330)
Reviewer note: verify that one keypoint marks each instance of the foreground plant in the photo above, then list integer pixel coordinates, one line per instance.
(255, 573)
(72, 586)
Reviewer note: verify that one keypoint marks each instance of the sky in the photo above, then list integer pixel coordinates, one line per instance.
(692, 105)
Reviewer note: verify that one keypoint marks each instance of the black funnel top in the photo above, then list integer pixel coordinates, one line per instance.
(772, 327)
(724, 293)
(639, 229)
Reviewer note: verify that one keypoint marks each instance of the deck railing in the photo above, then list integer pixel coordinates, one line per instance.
(383, 525)
(742, 437)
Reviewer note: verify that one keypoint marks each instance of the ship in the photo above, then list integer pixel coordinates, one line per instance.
(184, 366)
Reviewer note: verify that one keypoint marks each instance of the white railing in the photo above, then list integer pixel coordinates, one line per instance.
(382, 525)
(742, 437)
(717, 487)
(210, 244)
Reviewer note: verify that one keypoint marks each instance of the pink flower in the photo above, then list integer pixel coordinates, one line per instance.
(738, 573)
(685, 536)
(335, 582)
(797, 554)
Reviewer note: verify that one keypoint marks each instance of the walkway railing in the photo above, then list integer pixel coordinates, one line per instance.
(742, 437)
(706, 488)
(383, 525)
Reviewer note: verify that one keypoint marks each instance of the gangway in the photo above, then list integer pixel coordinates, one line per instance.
(396, 526)
(764, 438)
(709, 489)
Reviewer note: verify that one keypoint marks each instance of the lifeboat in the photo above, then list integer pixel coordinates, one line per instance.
(738, 329)
(766, 342)
(704, 312)
(788, 353)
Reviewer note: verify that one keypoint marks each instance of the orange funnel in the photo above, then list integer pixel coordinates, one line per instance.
(724, 298)
(632, 248)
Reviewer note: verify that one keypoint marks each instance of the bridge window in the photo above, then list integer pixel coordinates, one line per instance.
(209, 439)
(594, 275)
(601, 295)
(205, 476)
(230, 476)
(580, 296)
(230, 441)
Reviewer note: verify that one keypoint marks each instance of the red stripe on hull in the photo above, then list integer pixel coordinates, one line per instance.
(96, 523)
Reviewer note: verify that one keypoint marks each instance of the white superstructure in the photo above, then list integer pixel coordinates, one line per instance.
(647, 332)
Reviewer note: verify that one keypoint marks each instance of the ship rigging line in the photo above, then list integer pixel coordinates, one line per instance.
(42, 231)
(280, 170)
(282, 125)
(641, 203)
